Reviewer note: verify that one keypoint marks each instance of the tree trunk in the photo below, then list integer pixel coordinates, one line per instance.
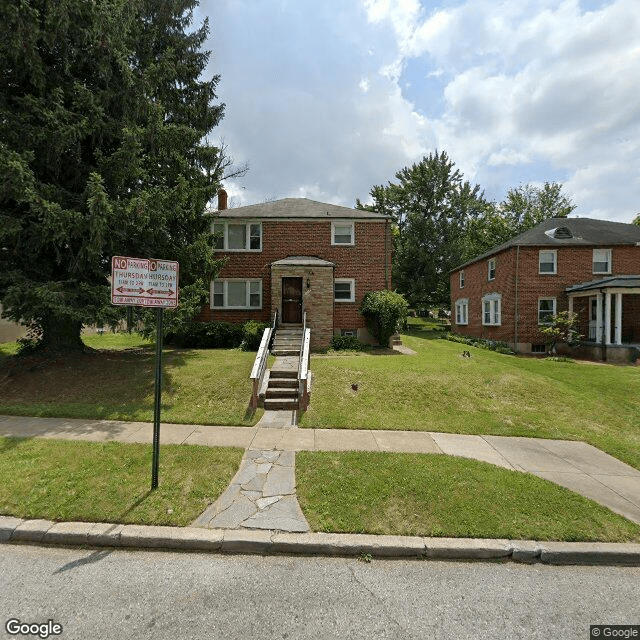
(60, 333)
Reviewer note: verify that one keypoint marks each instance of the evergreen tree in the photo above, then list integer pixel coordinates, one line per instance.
(103, 151)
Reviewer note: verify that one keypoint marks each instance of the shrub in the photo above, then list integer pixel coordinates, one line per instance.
(252, 335)
(385, 311)
(346, 343)
(207, 335)
(491, 345)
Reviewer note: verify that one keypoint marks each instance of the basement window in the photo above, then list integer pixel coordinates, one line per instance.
(538, 348)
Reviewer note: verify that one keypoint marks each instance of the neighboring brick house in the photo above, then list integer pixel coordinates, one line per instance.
(297, 255)
(590, 267)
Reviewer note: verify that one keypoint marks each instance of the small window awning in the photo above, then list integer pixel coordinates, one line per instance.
(302, 261)
(612, 282)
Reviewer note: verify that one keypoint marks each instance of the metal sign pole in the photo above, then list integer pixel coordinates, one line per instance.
(158, 396)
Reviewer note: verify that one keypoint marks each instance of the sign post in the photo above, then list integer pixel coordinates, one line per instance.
(148, 283)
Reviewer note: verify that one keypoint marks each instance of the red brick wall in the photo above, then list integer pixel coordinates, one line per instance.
(574, 266)
(364, 261)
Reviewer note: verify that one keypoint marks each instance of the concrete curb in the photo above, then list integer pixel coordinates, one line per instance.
(17, 530)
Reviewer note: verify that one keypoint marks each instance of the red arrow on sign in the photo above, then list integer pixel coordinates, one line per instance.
(168, 292)
(126, 290)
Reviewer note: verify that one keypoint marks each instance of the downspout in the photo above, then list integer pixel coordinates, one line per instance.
(387, 257)
(517, 310)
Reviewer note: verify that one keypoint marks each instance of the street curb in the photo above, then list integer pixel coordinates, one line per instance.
(255, 541)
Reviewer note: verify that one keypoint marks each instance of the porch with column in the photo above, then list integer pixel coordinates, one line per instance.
(609, 324)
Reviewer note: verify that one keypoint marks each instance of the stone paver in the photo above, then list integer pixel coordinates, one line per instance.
(262, 495)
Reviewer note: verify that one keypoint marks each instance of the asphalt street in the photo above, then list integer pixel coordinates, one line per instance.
(116, 593)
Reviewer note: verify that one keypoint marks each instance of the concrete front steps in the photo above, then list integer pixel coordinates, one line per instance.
(282, 389)
(287, 341)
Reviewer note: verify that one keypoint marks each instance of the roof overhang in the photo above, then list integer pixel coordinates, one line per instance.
(612, 284)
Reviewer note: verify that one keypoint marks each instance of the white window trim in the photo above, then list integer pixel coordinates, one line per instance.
(609, 260)
(555, 262)
(490, 262)
(462, 311)
(225, 282)
(343, 223)
(495, 309)
(225, 235)
(352, 282)
(462, 279)
(555, 303)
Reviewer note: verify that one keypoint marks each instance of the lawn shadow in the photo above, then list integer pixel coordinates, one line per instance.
(8, 443)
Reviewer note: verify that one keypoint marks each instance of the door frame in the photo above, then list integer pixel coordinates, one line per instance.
(299, 280)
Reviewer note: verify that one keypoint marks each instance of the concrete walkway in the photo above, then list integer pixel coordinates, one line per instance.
(575, 465)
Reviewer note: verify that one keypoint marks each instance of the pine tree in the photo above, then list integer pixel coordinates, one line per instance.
(103, 151)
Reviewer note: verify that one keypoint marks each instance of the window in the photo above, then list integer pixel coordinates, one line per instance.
(492, 309)
(344, 290)
(238, 236)
(602, 261)
(462, 311)
(342, 233)
(539, 348)
(462, 279)
(548, 262)
(236, 294)
(546, 310)
(491, 274)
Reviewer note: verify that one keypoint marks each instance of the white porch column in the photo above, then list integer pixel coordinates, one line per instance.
(599, 318)
(607, 318)
(618, 336)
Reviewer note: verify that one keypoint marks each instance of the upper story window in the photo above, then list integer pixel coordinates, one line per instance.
(492, 309)
(344, 290)
(491, 269)
(602, 261)
(548, 261)
(462, 279)
(342, 233)
(238, 236)
(462, 311)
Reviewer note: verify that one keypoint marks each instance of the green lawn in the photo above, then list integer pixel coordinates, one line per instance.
(110, 482)
(117, 383)
(489, 393)
(443, 496)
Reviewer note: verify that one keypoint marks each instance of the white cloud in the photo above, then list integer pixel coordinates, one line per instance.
(331, 98)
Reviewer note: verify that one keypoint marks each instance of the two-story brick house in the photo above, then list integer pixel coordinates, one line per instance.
(297, 255)
(590, 267)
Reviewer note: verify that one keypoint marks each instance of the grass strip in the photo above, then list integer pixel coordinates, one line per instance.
(489, 393)
(443, 496)
(110, 482)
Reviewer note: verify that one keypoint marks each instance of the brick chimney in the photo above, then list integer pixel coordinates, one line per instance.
(222, 199)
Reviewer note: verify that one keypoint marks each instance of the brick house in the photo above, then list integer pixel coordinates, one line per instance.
(294, 256)
(589, 267)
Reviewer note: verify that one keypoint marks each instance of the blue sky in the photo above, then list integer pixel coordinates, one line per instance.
(326, 99)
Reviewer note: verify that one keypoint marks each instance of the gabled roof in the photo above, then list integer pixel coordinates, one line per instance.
(563, 232)
(299, 208)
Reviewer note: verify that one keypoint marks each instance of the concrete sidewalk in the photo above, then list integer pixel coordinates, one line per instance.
(575, 465)
(250, 515)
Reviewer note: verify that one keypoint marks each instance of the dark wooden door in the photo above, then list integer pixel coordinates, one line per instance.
(292, 300)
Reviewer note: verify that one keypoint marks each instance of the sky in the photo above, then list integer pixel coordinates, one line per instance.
(327, 98)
